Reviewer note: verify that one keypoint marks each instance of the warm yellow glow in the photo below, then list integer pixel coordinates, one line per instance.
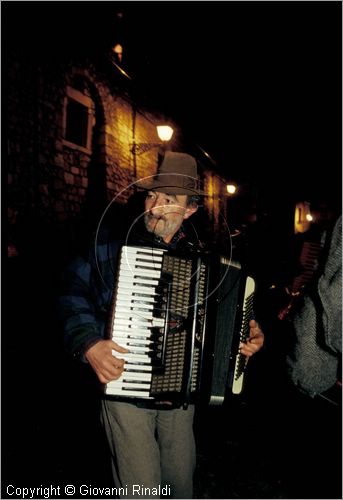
(302, 217)
(231, 188)
(118, 49)
(164, 132)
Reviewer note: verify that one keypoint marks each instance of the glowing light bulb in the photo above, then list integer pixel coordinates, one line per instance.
(231, 188)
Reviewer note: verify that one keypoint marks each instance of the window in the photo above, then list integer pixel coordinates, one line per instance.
(78, 120)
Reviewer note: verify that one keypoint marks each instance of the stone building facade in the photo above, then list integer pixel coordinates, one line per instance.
(70, 129)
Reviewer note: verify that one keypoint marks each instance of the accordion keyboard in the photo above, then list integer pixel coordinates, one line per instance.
(138, 320)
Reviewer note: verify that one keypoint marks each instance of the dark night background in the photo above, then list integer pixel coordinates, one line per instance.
(255, 84)
(258, 86)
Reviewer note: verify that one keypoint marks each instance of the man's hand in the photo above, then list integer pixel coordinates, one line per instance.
(254, 342)
(106, 366)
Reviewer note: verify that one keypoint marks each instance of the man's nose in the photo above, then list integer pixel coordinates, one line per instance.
(157, 209)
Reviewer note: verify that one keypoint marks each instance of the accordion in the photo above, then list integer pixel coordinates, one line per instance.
(181, 318)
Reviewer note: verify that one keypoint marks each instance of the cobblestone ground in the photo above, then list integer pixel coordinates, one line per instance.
(244, 449)
(229, 463)
(276, 446)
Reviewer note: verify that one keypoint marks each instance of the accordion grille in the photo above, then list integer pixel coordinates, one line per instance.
(171, 379)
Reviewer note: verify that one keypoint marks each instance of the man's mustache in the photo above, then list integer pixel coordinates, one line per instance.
(154, 218)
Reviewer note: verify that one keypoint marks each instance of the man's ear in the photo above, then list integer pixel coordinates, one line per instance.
(190, 211)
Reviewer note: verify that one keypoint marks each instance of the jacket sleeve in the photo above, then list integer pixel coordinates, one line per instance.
(330, 292)
(314, 361)
(312, 365)
(82, 306)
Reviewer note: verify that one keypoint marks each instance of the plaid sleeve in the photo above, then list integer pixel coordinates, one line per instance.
(77, 309)
(84, 300)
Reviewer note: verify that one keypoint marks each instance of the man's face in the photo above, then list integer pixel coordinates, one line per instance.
(164, 213)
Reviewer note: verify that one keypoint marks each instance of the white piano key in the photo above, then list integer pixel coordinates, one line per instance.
(128, 384)
(133, 345)
(136, 358)
(143, 251)
(159, 322)
(145, 262)
(144, 308)
(133, 271)
(127, 341)
(145, 376)
(138, 271)
(133, 334)
(142, 283)
(126, 356)
(127, 277)
(135, 289)
(150, 300)
(129, 367)
(139, 308)
(136, 330)
(130, 299)
(131, 319)
(135, 314)
(135, 349)
(127, 327)
(128, 393)
(121, 325)
(138, 322)
(142, 255)
(151, 261)
(155, 264)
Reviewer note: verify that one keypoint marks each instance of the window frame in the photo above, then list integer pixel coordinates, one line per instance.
(87, 102)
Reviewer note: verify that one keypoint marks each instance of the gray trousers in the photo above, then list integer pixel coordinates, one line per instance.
(153, 451)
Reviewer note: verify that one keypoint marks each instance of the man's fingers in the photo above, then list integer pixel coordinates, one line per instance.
(253, 323)
(246, 350)
(118, 347)
(104, 363)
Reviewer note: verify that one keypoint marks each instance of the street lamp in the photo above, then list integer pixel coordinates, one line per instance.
(231, 188)
(164, 132)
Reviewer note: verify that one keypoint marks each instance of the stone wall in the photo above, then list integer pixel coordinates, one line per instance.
(59, 181)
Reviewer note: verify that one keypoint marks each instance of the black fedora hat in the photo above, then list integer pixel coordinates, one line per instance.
(177, 174)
